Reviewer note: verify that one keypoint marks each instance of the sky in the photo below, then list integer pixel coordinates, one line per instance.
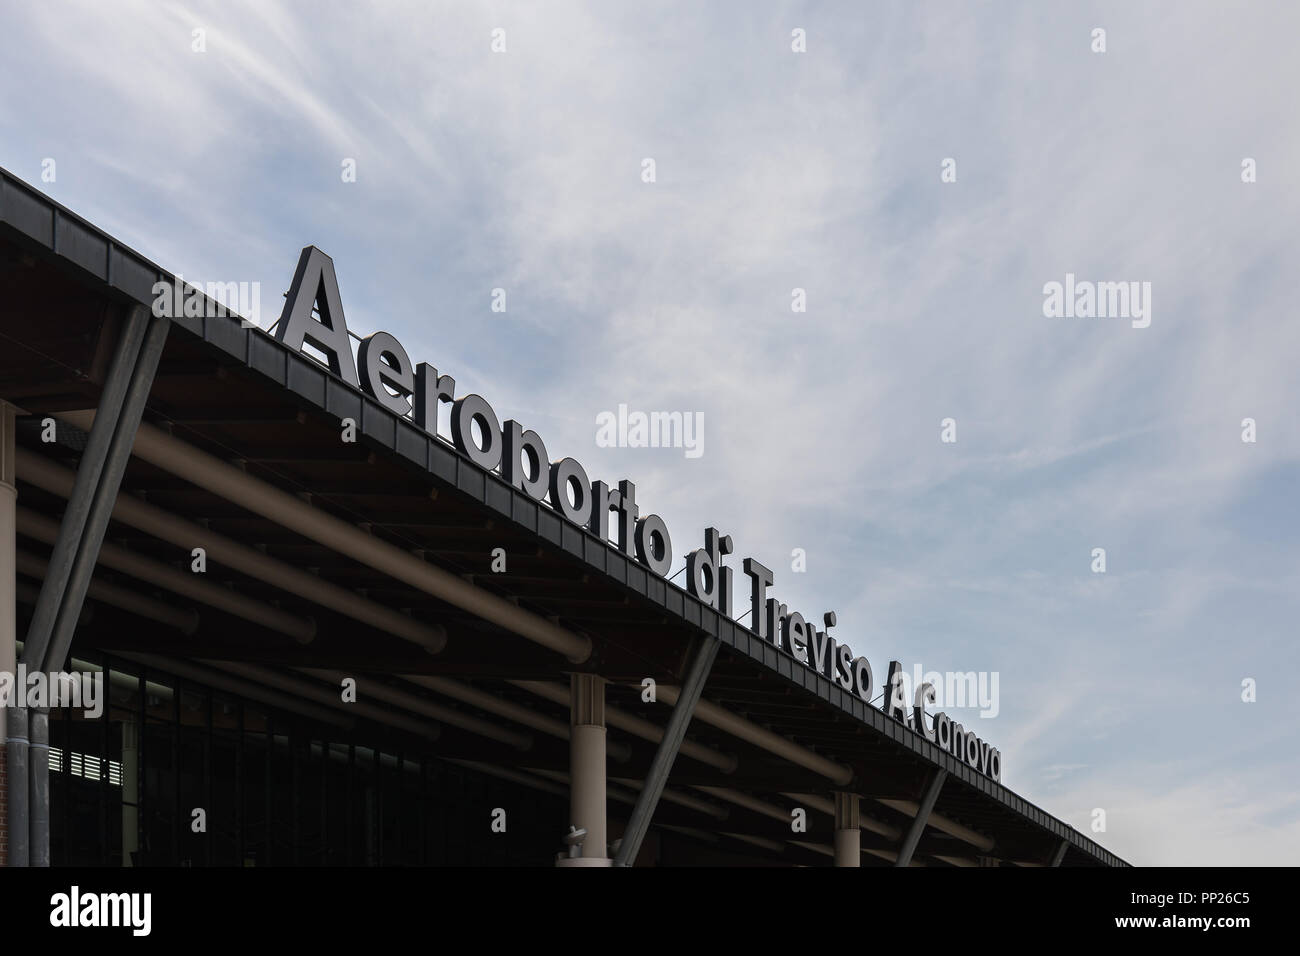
(221, 154)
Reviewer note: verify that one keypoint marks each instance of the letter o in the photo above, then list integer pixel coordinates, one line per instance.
(702, 577)
(648, 530)
(564, 473)
(466, 411)
(863, 679)
(958, 748)
(972, 750)
(995, 765)
(943, 731)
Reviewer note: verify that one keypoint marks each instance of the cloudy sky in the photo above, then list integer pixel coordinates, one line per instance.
(821, 170)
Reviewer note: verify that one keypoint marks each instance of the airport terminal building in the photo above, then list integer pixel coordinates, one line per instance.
(327, 630)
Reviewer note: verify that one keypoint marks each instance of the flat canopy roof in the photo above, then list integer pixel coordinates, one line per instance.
(234, 392)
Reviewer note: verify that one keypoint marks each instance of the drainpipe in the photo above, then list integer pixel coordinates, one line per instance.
(130, 790)
(38, 769)
(19, 823)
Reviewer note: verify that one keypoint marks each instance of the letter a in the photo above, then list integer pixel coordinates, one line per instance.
(314, 284)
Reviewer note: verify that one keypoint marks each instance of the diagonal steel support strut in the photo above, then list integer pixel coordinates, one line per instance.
(76, 549)
(89, 470)
(922, 817)
(1059, 855)
(674, 733)
(105, 497)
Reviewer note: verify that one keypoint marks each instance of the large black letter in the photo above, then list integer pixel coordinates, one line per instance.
(395, 373)
(760, 580)
(627, 512)
(530, 478)
(466, 411)
(564, 473)
(314, 284)
(894, 703)
(659, 559)
(706, 578)
(430, 389)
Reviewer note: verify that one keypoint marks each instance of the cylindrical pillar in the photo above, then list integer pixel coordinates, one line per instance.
(130, 790)
(16, 770)
(848, 833)
(587, 763)
(38, 771)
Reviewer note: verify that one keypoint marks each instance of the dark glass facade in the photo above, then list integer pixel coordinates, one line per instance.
(273, 788)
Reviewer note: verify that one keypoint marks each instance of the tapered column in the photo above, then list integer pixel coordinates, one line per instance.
(587, 762)
(848, 835)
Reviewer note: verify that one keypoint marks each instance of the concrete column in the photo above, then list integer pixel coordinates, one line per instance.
(8, 601)
(131, 790)
(848, 833)
(587, 763)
